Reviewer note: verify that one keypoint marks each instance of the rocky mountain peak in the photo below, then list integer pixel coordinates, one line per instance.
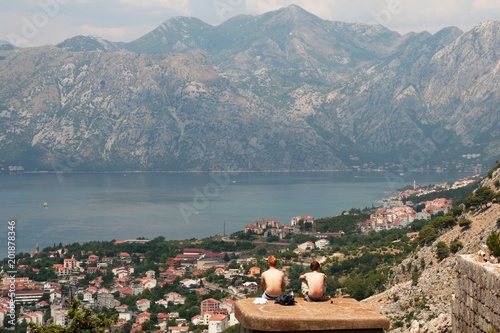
(294, 13)
(87, 44)
(177, 34)
(6, 46)
(310, 90)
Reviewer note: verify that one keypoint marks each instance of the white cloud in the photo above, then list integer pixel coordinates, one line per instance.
(483, 5)
(125, 20)
(182, 6)
(113, 34)
(322, 9)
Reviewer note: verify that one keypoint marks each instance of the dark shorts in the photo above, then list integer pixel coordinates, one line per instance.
(267, 296)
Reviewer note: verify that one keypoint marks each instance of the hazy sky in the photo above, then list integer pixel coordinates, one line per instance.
(40, 22)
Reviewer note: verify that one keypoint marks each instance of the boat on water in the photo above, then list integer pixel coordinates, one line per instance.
(45, 204)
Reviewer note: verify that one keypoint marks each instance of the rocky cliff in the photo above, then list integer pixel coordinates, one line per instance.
(421, 288)
(281, 91)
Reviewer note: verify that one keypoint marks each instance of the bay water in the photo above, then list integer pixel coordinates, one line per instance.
(67, 208)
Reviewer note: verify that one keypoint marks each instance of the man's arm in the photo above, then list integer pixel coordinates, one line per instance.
(302, 277)
(262, 283)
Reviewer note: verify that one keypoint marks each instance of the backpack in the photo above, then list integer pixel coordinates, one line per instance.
(285, 299)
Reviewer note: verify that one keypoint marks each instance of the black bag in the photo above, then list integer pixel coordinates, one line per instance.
(285, 299)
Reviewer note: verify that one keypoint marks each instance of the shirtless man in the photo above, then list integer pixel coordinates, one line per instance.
(313, 284)
(272, 281)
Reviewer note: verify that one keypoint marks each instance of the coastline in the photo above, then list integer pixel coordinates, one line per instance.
(109, 206)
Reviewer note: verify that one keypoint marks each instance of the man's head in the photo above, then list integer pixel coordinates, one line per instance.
(314, 266)
(272, 261)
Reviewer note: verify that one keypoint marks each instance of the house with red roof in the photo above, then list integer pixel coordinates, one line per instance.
(163, 317)
(125, 256)
(228, 304)
(253, 271)
(148, 283)
(201, 291)
(218, 323)
(210, 305)
(143, 304)
(305, 219)
(92, 269)
(92, 259)
(306, 246)
(192, 250)
(175, 298)
(125, 291)
(252, 228)
(178, 329)
(143, 317)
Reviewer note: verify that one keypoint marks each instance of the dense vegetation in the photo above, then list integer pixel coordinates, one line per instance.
(81, 319)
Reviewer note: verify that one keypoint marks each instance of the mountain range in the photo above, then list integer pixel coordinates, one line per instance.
(285, 90)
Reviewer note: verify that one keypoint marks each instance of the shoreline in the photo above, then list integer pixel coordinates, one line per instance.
(397, 172)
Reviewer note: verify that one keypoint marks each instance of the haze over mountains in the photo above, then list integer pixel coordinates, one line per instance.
(285, 90)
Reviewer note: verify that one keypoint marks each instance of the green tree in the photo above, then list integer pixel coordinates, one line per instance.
(456, 246)
(442, 251)
(232, 329)
(427, 235)
(81, 320)
(457, 211)
(464, 223)
(444, 222)
(493, 243)
(149, 326)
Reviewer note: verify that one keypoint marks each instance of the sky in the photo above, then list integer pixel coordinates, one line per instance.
(28, 23)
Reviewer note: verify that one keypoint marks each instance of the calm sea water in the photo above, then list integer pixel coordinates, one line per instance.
(84, 207)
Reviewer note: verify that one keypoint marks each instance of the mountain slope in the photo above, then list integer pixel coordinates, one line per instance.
(149, 112)
(285, 90)
(429, 299)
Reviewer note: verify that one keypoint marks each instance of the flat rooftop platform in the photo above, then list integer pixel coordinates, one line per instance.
(338, 315)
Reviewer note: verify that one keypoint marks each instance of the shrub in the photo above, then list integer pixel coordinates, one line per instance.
(444, 222)
(498, 223)
(464, 223)
(490, 173)
(427, 235)
(457, 211)
(442, 251)
(415, 275)
(497, 183)
(456, 246)
(493, 243)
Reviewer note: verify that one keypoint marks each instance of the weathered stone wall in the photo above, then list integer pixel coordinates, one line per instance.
(476, 305)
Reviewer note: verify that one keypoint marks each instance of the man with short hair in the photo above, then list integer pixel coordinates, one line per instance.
(272, 281)
(313, 284)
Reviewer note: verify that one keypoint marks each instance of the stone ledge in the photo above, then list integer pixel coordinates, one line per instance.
(337, 315)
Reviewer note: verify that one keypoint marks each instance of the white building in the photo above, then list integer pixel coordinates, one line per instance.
(218, 323)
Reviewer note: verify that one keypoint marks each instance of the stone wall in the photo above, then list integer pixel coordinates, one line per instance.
(476, 304)
(339, 315)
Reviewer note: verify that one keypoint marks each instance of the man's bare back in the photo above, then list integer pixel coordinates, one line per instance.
(316, 282)
(272, 282)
